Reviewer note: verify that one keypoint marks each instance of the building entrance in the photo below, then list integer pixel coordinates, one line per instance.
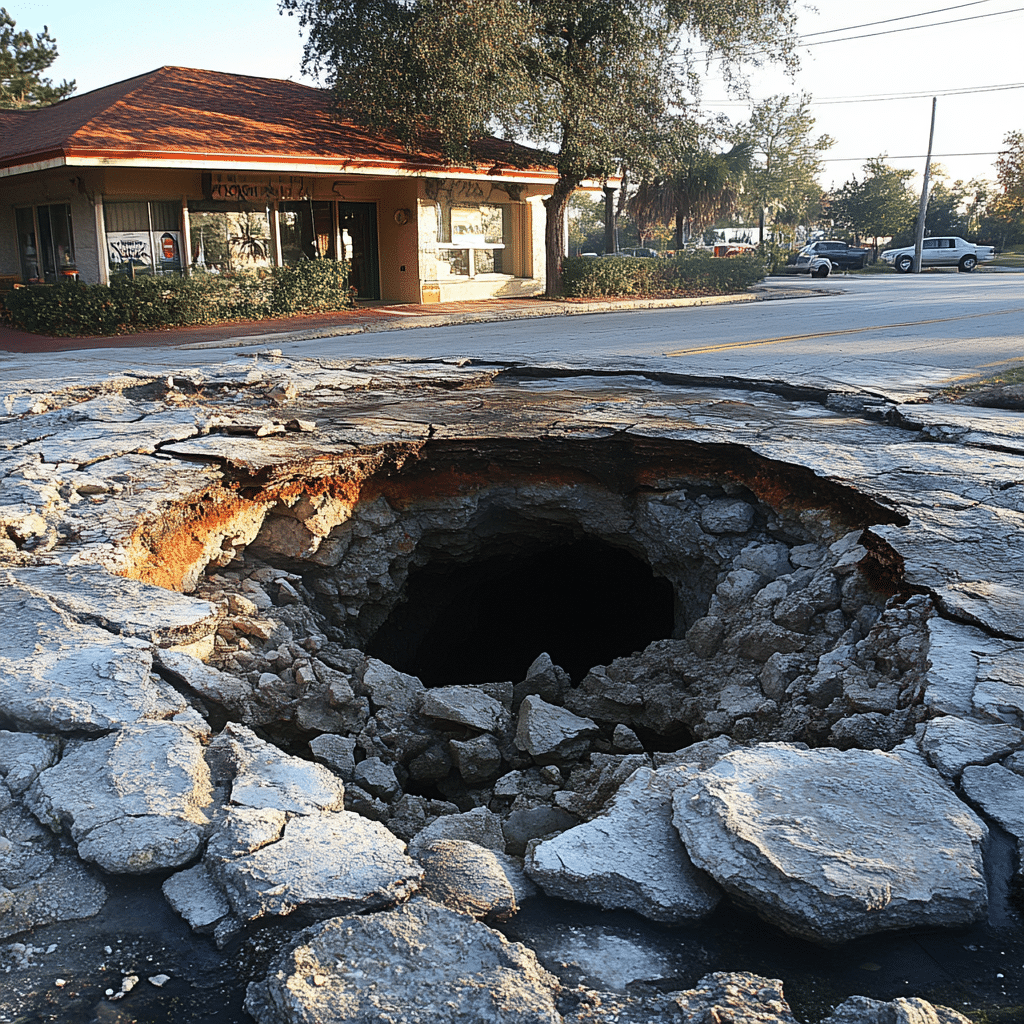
(358, 228)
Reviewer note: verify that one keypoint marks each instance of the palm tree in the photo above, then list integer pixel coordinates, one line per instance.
(704, 187)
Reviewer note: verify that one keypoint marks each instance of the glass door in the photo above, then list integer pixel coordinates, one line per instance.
(358, 226)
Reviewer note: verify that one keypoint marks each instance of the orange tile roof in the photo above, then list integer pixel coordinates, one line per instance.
(209, 118)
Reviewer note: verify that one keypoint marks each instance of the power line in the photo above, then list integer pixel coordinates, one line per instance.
(871, 35)
(914, 28)
(884, 97)
(919, 95)
(889, 21)
(914, 156)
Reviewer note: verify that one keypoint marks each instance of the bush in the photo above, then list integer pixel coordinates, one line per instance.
(150, 303)
(774, 256)
(695, 272)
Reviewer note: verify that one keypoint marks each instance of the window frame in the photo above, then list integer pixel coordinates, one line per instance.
(159, 265)
(44, 259)
(470, 244)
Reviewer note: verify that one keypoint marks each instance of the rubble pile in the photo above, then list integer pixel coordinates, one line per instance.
(811, 740)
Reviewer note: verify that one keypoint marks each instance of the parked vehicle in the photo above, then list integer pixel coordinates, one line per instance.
(647, 253)
(732, 249)
(841, 255)
(941, 251)
(809, 262)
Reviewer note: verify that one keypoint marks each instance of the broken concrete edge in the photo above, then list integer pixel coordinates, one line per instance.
(173, 548)
(550, 308)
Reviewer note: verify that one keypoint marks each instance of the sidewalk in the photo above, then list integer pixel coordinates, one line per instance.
(365, 319)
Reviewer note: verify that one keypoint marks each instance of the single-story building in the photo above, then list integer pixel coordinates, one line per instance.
(180, 170)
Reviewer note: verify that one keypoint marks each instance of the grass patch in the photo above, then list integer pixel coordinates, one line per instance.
(1007, 259)
(1005, 378)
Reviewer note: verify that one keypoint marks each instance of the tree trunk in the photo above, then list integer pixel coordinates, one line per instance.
(677, 241)
(609, 219)
(554, 235)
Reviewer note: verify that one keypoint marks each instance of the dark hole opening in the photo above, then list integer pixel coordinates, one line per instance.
(583, 602)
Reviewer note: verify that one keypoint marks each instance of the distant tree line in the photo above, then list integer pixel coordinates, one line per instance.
(765, 173)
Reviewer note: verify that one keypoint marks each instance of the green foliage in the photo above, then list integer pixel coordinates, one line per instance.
(23, 59)
(786, 159)
(773, 256)
(947, 209)
(697, 188)
(691, 273)
(878, 206)
(586, 223)
(1010, 174)
(1003, 222)
(150, 303)
(594, 82)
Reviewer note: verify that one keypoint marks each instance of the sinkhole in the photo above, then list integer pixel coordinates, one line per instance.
(579, 599)
(678, 591)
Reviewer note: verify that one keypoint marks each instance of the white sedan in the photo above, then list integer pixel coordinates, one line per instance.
(941, 251)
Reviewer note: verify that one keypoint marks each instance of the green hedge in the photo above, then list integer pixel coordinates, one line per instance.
(149, 303)
(692, 272)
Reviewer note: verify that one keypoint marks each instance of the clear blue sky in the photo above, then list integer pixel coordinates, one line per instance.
(103, 44)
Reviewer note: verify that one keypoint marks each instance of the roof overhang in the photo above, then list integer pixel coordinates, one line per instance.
(258, 163)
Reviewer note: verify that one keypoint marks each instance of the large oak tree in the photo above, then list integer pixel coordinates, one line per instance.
(594, 84)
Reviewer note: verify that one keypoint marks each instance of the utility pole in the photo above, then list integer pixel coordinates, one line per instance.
(922, 212)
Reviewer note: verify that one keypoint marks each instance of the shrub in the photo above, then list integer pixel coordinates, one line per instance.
(695, 272)
(149, 303)
(774, 256)
(319, 285)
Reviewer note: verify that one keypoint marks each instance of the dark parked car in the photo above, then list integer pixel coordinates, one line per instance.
(839, 254)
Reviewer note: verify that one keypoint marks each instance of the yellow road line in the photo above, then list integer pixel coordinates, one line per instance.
(833, 334)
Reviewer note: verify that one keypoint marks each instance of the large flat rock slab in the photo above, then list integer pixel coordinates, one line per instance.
(629, 858)
(323, 863)
(831, 844)
(134, 801)
(57, 675)
(40, 882)
(122, 606)
(417, 963)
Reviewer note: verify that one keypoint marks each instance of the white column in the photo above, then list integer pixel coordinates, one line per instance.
(186, 238)
(101, 241)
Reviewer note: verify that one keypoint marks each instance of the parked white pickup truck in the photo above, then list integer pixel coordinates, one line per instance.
(943, 251)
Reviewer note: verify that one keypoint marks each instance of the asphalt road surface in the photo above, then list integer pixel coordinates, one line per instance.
(884, 332)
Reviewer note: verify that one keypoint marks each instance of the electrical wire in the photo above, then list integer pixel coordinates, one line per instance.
(914, 156)
(889, 21)
(914, 28)
(882, 97)
(706, 54)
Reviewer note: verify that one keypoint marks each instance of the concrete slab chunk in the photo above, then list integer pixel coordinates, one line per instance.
(831, 844)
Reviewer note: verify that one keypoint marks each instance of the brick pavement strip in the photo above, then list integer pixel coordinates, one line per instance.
(366, 319)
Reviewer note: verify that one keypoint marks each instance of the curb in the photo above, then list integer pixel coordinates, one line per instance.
(548, 309)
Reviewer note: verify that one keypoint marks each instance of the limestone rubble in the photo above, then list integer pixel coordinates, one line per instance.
(184, 686)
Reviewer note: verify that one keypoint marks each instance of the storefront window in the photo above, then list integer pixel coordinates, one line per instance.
(307, 231)
(227, 237)
(472, 238)
(453, 261)
(46, 244)
(143, 238)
